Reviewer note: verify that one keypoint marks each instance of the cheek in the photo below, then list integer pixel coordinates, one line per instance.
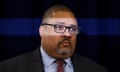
(51, 43)
(55, 40)
(52, 40)
(73, 42)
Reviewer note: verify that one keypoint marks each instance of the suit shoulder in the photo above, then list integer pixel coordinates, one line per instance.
(90, 65)
(14, 62)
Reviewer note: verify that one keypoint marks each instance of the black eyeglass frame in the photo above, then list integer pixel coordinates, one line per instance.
(66, 27)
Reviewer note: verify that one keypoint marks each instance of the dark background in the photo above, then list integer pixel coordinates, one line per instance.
(99, 39)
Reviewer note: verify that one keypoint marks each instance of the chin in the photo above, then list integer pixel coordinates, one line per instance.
(64, 56)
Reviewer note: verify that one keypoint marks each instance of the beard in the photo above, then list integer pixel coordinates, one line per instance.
(64, 50)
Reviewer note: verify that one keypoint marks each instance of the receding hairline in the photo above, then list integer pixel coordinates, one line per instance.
(56, 8)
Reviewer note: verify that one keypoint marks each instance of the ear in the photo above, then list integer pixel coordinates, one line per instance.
(41, 31)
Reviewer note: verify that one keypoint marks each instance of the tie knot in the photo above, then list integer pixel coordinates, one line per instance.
(60, 62)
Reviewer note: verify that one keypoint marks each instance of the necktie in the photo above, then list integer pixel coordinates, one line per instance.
(60, 65)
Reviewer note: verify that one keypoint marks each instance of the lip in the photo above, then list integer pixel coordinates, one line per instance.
(66, 43)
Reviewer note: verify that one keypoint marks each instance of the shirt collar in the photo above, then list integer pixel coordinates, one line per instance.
(48, 60)
(68, 62)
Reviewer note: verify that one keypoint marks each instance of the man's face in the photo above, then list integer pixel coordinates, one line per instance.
(56, 44)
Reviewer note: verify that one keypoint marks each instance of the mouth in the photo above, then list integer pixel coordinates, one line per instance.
(64, 48)
(66, 43)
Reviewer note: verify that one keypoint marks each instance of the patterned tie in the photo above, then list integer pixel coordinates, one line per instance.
(60, 65)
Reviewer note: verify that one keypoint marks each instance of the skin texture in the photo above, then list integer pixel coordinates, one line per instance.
(58, 45)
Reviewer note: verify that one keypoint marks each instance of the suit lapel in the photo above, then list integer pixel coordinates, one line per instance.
(78, 64)
(36, 61)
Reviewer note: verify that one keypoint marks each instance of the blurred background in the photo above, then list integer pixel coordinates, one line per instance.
(98, 40)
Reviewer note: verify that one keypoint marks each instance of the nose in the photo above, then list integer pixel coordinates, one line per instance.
(67, 33)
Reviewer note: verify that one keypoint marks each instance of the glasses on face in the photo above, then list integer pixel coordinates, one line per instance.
(60, 28)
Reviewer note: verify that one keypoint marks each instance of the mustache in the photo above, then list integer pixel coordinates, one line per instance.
(65, 40)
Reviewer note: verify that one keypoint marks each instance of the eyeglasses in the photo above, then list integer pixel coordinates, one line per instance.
(60, 28)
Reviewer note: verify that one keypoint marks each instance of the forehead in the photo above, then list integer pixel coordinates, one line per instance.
(67, 21)
(64, 17)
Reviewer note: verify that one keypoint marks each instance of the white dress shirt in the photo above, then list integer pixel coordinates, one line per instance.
(51, 66)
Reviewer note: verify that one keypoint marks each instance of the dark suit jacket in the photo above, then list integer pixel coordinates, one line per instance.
(31, 62)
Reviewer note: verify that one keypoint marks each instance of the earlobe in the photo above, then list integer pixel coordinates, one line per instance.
(41, 31)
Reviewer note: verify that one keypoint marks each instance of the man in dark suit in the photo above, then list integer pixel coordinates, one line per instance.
(58, 33)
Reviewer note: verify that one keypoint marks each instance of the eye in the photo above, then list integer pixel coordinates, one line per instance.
(60, 27)
(73, 28)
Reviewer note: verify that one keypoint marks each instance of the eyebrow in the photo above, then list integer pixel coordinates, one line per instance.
(60, 22)
(64, 23)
